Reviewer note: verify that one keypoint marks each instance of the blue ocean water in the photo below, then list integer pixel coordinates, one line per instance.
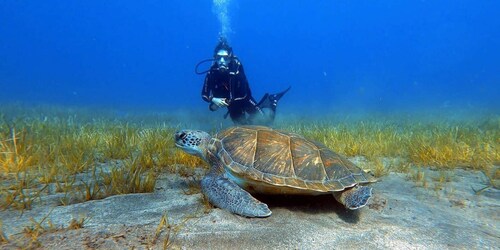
(337, 55)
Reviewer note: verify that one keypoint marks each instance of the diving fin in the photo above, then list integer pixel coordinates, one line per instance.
(271, 101)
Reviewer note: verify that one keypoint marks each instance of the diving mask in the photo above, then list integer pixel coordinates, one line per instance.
(222, 59)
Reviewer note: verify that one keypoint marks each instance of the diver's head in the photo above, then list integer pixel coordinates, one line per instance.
(223, 54)
(222, 59)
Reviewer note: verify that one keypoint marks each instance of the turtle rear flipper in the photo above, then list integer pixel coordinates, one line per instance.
(225, 194)
(355, 197)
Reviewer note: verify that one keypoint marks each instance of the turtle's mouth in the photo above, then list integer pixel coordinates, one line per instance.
(188, 149)
(180, 144)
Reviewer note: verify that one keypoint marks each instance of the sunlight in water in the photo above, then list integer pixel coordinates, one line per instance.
(220, 9)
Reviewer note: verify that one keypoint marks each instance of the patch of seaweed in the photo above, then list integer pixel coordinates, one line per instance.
(86, 155)
(77, 156)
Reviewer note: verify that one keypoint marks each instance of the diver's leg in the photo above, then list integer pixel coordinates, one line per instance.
(237, 114)
(252, 108)
(256, 115)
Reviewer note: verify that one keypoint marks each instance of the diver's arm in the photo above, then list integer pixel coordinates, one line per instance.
(205, 91)
(241, 85)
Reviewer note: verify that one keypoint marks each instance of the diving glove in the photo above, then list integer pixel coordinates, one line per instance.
(221, 102)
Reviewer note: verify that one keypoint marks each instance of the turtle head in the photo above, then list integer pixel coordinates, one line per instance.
(194, 142)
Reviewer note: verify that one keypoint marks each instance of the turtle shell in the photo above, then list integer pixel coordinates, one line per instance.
(263, 155)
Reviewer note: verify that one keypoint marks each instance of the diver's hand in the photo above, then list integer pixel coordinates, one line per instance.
(221, 102)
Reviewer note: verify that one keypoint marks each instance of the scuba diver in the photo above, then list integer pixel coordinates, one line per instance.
(226, 85)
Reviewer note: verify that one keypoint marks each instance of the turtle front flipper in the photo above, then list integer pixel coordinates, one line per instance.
(225, 194)
(355, 197)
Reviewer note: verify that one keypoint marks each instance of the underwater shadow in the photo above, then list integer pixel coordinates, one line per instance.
(321, 204)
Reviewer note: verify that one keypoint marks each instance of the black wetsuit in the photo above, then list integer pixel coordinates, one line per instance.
(231, 84)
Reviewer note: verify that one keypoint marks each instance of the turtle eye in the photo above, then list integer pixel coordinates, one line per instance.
(182, 135)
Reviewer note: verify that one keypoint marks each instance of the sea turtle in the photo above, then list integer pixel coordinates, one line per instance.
(263, 160)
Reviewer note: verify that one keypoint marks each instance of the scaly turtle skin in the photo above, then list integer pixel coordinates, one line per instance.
(260, 159)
